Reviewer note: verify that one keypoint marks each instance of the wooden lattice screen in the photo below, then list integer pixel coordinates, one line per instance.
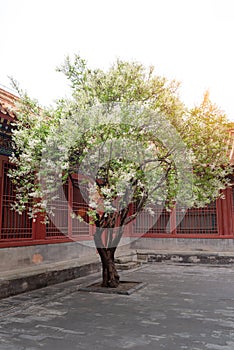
(13, 225)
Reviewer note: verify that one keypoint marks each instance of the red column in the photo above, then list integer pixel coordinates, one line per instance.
(1, 191)
(229, 211)
(173, 220)
(70, 209)
(224, 214)
(39, 227)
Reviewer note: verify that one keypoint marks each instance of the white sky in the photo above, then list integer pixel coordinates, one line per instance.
(189, 40)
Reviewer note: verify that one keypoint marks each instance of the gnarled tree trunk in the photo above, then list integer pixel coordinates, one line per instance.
(106, 249)
(110, 276)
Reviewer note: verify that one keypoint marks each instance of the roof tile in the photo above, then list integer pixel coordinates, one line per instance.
(7, 103)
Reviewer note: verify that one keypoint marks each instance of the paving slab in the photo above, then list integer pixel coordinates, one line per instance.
(183, 306)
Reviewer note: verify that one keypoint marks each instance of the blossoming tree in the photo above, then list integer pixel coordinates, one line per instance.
(132, 143)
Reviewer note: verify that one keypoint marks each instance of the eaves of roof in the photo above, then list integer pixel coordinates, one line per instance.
(7, 105)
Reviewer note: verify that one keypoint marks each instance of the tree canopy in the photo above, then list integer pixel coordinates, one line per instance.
(132, 142)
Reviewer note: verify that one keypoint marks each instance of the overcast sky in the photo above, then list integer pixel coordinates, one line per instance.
(188, 40)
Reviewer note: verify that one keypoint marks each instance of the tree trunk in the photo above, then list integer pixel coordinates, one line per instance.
(106, 247)
(110, 277)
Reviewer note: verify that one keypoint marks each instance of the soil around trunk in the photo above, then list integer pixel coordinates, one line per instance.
(124, 287)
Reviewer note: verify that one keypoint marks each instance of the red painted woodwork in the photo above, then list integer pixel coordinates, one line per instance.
(214, 221)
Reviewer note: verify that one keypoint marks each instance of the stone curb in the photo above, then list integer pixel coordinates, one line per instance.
(21, 284)
(31, 279)
(182, 257)
(93, 289)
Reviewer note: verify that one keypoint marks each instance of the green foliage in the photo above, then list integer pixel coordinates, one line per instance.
(128, 132)
(207, 137)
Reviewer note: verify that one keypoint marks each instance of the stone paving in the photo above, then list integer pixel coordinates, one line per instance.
(182, 307)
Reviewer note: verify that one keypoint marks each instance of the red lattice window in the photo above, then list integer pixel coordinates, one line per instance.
(14, 226)
(159, 223)
(197, 220)
(80, 207)
(58, 221)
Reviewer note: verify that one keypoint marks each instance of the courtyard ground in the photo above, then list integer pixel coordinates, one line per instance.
(183, 306)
